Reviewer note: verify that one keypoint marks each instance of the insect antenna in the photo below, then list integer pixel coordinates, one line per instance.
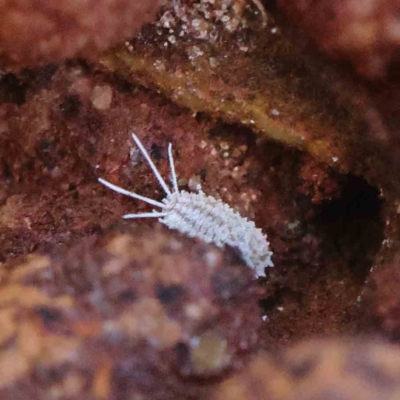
(145, 215)
(152, 166)
(130, 194)
(172, 167)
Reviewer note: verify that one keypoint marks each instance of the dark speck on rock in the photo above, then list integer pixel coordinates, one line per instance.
(71, 106)
(169, 294)
(49, 316)
(156, 152)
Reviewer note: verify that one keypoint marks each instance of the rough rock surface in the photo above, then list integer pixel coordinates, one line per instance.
(93, 320)
(62, 127)
(320, 370)
(135, 313)
(364, 32)
(38, 31)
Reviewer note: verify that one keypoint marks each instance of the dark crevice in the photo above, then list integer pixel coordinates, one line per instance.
(353, 225)
(306, 299)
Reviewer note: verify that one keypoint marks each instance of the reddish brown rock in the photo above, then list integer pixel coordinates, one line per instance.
(364, 32)
(340, 369)
(382, 298)
(62, 128)
(262, 379)
(37, 32)
(146, 313)
(319, 182)
(320, 370)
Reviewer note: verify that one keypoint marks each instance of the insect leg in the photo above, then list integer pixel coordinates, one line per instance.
(172, 167)
(130, 194)
(152, 166)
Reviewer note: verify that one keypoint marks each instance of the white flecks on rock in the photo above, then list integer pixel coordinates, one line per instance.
(101, 97)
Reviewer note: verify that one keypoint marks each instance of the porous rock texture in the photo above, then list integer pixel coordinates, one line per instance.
(364, 32)
(137, 313)
(381, 296)
(38, 31)
(144, 313)
(63, 127)
(318, 370)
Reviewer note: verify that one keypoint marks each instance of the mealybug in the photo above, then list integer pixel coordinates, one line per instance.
(200, 216)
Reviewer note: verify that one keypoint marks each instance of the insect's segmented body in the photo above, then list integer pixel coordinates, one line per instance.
(213, 221)
(200, 216)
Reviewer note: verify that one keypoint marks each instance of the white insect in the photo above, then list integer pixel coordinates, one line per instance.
(204, 217)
